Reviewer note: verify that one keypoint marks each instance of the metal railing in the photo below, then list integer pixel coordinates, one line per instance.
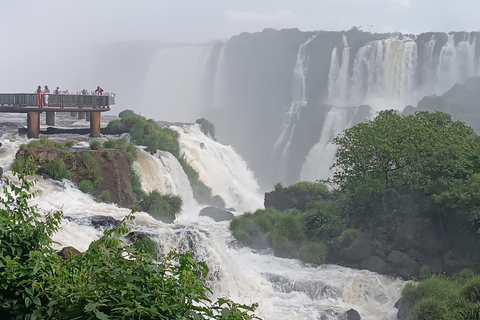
(56, 100)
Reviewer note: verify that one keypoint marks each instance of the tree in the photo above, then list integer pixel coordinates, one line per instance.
(429, 153)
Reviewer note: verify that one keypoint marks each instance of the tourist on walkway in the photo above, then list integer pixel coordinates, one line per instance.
(99, 91)
(46, 93)
(56, 91)
(39, 97)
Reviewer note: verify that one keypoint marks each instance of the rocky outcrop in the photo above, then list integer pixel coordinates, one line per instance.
(67, 252)
(405, 307)
(217, 214)
(286, 198)
(98, 222)
(114, 169)
(351, 314)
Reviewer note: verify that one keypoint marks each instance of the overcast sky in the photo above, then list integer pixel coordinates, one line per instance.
(50, 32)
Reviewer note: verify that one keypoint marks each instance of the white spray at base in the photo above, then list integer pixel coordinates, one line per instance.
(283, 288)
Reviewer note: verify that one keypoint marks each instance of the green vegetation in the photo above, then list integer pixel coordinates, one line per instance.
(147, 246)
(68, 144)
(442, 298)
(104, 196)
(86, 186)
(278, 186)
(96, 145)
(56, 169)
(313, 252)
(44, 142)
(90, 168)
(161, 207)
(38, 284)
(308, 186)
(207, 127)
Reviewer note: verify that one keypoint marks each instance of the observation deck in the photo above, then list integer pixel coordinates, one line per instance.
(86, 107)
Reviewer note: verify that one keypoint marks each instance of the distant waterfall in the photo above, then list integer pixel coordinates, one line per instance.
(220, 96)
(221, 169)
(338, 77)
(322, 155)
(174, 89)
(457, 62)
(384, 70)
(299, 100)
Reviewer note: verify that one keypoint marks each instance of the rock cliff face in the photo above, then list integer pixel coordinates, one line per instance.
(114, 169)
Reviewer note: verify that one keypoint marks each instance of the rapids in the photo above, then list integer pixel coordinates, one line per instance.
(283, 288)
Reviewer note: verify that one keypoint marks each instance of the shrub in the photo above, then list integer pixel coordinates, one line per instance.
(207, 127)
(313, 187)
(313, 252)
(463, 276)
(288, 229)
(326, 216)
(146, 245)
(45, 143)
(96, 145)
(104, 196)
(126, 113)
(86, 186)
(91, 168)
(22, 165)
(278, 186)
(57, 169)
(136, 184)
(347, 236)
(425, 272)
(247, 231)
(115, 123)
(471, 290)
(162, 207)
(163, 140)
(68, 144)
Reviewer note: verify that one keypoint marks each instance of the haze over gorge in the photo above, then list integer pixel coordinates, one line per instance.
(280, 96)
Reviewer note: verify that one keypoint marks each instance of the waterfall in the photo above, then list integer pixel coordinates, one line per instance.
(322, 155)
(457, 62)
(384, 73)
(220, 97)
(163, 172)
(174, 89)
(220, 168)
(338, 77)
(299, 100)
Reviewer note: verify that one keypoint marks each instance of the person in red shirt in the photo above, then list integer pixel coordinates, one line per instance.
(39, 97)
(99, 91)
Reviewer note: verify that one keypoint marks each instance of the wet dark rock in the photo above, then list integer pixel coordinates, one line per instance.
(98, 222)
(22, 131)
(1, 172)
(67, 252)
(351, 314)
(405, 307)
(359, 249)
(217, 214)
(375, 264)
(151, 150)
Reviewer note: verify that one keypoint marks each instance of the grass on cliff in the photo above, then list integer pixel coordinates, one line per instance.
(442, 298)
(57, 169)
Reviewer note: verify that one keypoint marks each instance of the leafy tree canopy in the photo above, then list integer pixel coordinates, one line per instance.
(428, 152)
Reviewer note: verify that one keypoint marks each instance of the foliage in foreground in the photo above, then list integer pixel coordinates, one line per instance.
(442, 298)
(111, 280)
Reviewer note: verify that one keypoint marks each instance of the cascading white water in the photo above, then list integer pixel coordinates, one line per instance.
(174, 89)
(220, 168)
(220, 97)
(457, 62)
(384, 73)
(284, 288)
(338, 77)
(299, 100)
(322, 155)
(164, 173)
